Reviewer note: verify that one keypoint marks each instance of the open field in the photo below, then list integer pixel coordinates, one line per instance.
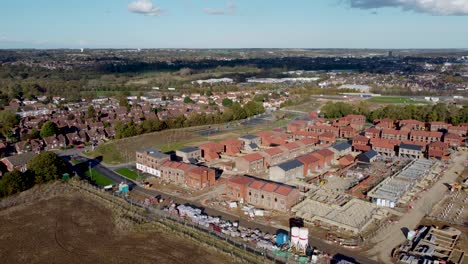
(127, 173)
(69, 227)
(394, 100)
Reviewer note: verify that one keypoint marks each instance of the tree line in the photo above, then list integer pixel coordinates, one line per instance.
(233, 113)
(426, 113)
(42, 168)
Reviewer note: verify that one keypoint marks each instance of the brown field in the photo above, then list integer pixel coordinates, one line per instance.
(68, 228)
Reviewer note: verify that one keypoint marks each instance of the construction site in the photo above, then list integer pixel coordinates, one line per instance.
(400, 189)
(339, 212)
(431, 245)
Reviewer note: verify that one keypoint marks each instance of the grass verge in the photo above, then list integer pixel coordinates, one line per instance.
(127, 173)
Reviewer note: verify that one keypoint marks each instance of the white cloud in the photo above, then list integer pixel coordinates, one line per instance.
(145, 7)
(230, 9)
(434, 7)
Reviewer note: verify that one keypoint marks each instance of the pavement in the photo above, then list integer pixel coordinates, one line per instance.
(332, 249)
(392, 236)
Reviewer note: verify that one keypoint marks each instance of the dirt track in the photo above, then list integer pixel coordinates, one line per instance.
(71, 229)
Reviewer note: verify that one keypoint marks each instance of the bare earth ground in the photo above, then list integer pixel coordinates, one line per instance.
(68, 228)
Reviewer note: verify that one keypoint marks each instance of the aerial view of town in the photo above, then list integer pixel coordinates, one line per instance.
(196, 131)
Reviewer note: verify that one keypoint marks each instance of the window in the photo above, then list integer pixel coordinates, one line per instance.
(250, 194)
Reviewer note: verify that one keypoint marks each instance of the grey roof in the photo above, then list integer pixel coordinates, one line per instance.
(341, 146)
(411, 146)
(188, 149)
(371, 153)
(21, 159)
(193, 161)
(156, 153)
(253, 146)
(249, 136)
(289, 165)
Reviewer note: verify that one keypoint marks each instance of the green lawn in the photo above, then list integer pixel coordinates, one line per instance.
(393, 100)
(98, 178)
(127, 173)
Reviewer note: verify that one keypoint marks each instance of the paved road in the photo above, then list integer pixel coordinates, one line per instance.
(315, 242)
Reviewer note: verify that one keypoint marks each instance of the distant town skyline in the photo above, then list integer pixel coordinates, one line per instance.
(380, 24)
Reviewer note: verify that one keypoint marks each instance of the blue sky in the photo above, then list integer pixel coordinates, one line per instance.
(234, 24)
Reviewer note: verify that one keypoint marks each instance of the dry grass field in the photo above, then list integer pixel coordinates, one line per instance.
(67, 227)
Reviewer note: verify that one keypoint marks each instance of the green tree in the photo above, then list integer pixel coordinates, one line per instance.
(15, 182)
(227, 102)
(91, 113)
(48, 129)
(187, 100)
(8, 120)
(47, 166)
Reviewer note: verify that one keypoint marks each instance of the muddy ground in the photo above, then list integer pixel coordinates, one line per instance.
(69, 228)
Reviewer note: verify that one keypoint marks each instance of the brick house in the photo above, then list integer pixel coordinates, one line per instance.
(346, 160)
(286, 171)
(410, 124)
(395, 134)
(291, 150)
(327, 138)
(385, 123)
(236, 188)
(384, 147)
(189, 154)
(150, 161)
(307, 145)
(250, 163)
(274, 141)
(305, 134)
(356, 121)
(326, 157)
(210, 151)
(324, 128)
(361, 143)
(17, 162)
(268, 195)
(295, 126)
(438, 150)
(232, 147)
(425, 136)
(310, 163)
(348, 132)
(438, 126)
(273, 156)
(200, 178)
(55, 142)
(372, 132)
(453, 140)
(459, 130)
(410, 151)
(174, 172)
